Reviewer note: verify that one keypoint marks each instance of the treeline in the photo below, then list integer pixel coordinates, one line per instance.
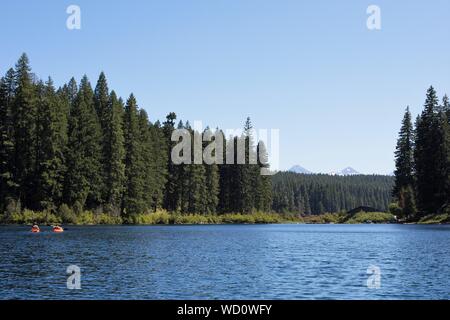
(422, 157)
(81, 148)
(312, 194)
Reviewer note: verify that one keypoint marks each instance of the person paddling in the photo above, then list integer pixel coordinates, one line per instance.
(57, 229)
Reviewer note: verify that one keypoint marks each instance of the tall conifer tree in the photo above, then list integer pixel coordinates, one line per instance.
(7, 89)
(83, 182)
(264, 180)
(115, 162)
(172, 196)
(159, 158)
(104, 114)
(446, 107)
(133, 202)
(442, 154)
(404, 156)
(52, 143)
(24, 118)
(426, 144)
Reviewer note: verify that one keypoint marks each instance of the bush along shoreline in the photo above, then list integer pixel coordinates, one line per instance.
(162, 217)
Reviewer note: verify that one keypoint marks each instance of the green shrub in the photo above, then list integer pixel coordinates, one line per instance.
(67, 215)
(395, 209)
(193, 219)
(325, 218)
(30, 217)
(435, 218)
(158, 217)
(103, 218)
(375, 217)
(256, 217)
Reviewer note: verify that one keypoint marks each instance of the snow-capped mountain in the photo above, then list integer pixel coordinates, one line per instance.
(299, 169)
(349, 171)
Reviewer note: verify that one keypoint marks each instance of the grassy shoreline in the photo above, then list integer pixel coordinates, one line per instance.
(28, 217)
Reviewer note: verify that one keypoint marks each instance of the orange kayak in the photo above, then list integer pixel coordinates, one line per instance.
(35, 229)
(58, 229)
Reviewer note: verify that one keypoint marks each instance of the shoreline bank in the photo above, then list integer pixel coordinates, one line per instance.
(28, 217)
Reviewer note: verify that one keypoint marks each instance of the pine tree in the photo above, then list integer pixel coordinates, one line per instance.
(196, 178)
(426, 144)
(83, 180)
(212, 179)
(264, 181)
(442, 155)
(446, 107)
(404, 156)
(224, 177)
(7, 89)
(212, 188)
(104, 114)
(133, 202)
(172, 196)
(249, 171)
(72, 90)
(231, 182)
(307, 203)
(24, 119)
(52, 143)
(147, 173)
(182, 194)
(159, 164)
(115, 163)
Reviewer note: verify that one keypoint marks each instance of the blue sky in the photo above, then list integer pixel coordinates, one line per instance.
(335, 89)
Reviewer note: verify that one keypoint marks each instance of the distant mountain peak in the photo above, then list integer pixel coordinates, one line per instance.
(349, 171)
(299, 169)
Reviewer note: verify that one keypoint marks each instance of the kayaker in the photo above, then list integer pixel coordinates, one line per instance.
(57, 229)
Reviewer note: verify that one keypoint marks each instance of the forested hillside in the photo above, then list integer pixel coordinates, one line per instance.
(320, 193)
(75, 148)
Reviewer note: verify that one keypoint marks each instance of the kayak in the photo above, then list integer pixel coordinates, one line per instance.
(58, 229)
(35, 229)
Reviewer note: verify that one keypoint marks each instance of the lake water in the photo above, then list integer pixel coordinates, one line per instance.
(228, 262)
